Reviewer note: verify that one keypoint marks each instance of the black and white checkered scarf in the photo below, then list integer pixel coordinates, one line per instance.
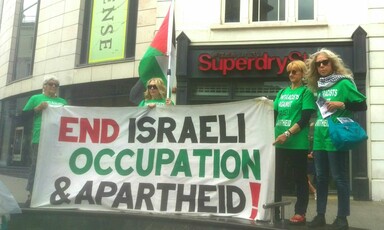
(330, 80)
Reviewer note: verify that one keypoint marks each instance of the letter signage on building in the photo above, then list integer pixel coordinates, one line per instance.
(256, 62)
(108, 31)
(251, 61)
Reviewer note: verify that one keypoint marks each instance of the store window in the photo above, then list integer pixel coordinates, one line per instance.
(208, 91)
(250, 11)
(306, 9)
(25, 45)
(109, 31)
(232, 11)
(268, 10)
(1, 11)
(15, 133)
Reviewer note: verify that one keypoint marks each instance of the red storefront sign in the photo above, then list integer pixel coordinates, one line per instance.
(264, 62)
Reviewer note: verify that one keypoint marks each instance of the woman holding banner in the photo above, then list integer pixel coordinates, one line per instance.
(293, 108)
(155, 94)
(35, 105)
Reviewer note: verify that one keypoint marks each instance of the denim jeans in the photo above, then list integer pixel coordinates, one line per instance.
(336, 162)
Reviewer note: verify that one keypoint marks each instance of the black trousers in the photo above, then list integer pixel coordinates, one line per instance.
(297, 159)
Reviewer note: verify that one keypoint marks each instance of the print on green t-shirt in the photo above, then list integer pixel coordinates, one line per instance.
(289, 105)
(345, 91)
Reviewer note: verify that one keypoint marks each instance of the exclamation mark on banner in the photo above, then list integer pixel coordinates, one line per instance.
(255, 192)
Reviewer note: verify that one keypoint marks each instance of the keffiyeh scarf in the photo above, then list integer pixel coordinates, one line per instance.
(329, 81)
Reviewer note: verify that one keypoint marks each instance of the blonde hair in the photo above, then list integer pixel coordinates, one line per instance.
(337, 63)
(297, 65)
(160, 86)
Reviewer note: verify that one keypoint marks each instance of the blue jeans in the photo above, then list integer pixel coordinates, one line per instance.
(336, 162)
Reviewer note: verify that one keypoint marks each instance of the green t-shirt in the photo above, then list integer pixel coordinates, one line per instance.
(160, 102)
(345, 91)
(289, 104)
(35, 101)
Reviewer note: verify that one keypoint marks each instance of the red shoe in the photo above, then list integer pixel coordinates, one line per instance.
(297, 219)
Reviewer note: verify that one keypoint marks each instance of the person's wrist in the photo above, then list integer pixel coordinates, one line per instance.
(287, 133)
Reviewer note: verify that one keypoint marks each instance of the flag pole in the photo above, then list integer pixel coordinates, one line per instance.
(170, 46)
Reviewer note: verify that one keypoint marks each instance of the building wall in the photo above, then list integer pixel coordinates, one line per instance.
(375, 95)
(58, 45)
(335, 22)
(6, 35)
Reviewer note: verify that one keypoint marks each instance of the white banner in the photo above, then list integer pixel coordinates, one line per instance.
(215, 159)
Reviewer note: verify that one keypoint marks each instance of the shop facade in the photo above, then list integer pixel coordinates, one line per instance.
(255, 31)
(215, 74)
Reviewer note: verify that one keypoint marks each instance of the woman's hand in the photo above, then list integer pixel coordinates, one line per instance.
(333, 105)
(168, 101)
(43, 105)
(281, 139)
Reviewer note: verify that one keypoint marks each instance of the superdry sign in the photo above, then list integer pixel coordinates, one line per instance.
(225, 63)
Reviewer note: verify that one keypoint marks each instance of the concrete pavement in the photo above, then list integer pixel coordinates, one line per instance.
(364, 214)
(16, 186)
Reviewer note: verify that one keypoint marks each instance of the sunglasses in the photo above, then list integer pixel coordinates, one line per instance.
(53, 84)
(324, 62)
(151, 87)
(293, 72)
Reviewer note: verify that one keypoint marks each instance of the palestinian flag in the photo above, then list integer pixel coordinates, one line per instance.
(156, 61)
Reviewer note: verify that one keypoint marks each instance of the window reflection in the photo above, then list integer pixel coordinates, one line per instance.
(26, 39)
(268, 10)
(232, 11)
(29, 11)
(1, 10)
(306, 9)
